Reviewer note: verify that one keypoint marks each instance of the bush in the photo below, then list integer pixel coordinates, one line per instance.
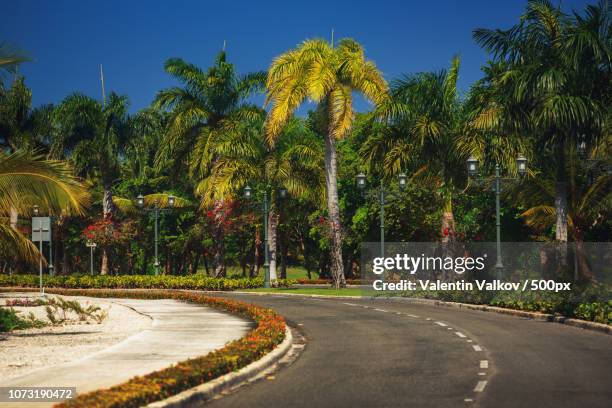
(10, 320)
(587, 304)
(196, 282)
(139, 391)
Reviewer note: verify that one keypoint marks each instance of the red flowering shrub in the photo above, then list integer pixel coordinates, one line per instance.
(107, 232)
(139, 391)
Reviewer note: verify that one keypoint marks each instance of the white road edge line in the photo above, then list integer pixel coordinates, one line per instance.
(484, 363)
(441, 324)
(477, 347)
(463, 336)
(480, 386)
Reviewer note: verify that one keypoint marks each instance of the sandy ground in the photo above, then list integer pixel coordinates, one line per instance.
(23, 351)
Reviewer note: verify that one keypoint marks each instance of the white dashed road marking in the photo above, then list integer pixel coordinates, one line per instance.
(484, 363)
(441, 324)
(480, 386)
(477, 347)
(482, 373)
(463, 336)
(380, 310)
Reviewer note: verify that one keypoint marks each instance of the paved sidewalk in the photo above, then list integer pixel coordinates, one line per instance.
(179, 331)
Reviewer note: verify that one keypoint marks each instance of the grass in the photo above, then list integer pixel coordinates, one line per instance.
(293, 272)
(313, 291)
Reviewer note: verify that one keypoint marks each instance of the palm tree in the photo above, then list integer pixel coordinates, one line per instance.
(245, 158)
(425, 121)
(94, 137)
(588, 205)
(196, 110)
(326, 75)
(550, 79)
(22, 127)
(27, 179)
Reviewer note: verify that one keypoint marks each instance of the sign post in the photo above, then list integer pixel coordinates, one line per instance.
(41, 231)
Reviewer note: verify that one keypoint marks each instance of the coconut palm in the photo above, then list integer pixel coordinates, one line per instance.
(425, 121)
(27, 179)
(195, 112)
(22, 127)
(94, 136)
(196, 109)
(244, 157)
(550, 80)
(326, 75)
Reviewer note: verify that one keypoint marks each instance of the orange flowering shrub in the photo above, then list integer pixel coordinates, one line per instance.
(142, 390)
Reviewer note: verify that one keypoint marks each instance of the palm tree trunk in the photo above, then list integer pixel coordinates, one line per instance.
(448, 219)
(333, 209)
(107, 212)
(272, 231)
(561, 207)
(14, 218)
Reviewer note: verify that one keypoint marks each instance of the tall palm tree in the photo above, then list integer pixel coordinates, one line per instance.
(244, 157)
(424, 124)
(550, 80)
(27, 179)
(589, 205)
(93, 136)
(196, 110)
(326, 75)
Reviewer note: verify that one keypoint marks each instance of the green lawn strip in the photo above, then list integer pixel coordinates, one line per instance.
(158, 385)
(312, 291)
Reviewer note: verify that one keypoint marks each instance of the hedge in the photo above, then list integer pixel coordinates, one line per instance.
(592, 304)
(158, 385)
(199, 282)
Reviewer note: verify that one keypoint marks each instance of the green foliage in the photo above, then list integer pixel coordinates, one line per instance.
(10, 320)
(197, 282)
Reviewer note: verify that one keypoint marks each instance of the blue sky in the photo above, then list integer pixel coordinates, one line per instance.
(68, 40)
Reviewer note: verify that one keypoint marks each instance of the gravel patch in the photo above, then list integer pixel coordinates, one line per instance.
(24, 351)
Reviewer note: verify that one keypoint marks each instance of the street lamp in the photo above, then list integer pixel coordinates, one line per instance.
(472, 167)
(248, 194)
(156, 209)
(91, 245)
(383, 197)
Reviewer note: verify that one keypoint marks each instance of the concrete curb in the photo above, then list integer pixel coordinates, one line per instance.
(208, 390)
(582, 324)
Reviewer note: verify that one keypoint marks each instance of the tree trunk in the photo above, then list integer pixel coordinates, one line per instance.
(306, 264)
(108, 209)
(333, 209)
(205, 259)
(447, 228)
(272, 230)
(14, 218)
(561, 209)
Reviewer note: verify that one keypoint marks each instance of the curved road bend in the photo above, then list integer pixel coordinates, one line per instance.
(385, 353)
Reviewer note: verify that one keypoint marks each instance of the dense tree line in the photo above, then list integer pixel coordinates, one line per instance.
(545, 93)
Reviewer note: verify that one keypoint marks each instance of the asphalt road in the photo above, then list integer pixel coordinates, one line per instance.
(385, 353)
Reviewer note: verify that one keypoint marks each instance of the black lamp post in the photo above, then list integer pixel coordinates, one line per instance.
(156, 210)
(472, 167)
(248, 194)
(384, 197)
